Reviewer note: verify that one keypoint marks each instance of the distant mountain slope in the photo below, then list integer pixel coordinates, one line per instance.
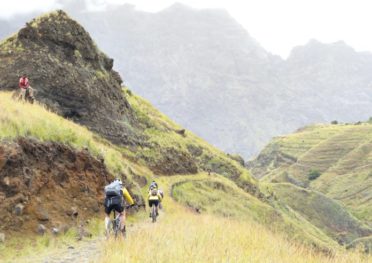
(204, 70)
(341, 155)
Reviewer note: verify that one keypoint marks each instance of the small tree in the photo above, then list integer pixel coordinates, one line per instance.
(313, 174)
(334, 122)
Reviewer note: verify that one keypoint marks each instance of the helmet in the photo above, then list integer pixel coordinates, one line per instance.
(118, 181)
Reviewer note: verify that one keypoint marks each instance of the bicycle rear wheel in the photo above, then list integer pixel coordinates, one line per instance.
(153, 213)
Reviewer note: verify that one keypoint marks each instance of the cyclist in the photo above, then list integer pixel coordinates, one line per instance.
(153, 185)
(115, 194)
(24, 86)
(154, 198)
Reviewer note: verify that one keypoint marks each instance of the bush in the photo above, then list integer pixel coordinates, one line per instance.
(313, 174)
(334, 122)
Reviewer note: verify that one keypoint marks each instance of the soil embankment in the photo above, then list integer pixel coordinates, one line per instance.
(48, 183)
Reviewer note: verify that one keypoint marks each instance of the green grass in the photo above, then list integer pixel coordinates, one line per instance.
(341, 153)
(321, 211)
(162, 134)
(219, 196)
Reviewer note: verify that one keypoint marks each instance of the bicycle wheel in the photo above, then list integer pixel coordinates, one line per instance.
(116, 225)
(153, 213)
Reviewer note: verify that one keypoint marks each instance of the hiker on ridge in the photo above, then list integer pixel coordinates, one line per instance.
(24, 86)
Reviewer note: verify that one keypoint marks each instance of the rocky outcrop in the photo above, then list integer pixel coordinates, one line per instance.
(40, 183)
(71, 76)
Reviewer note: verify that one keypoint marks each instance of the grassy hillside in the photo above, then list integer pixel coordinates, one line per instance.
(229, 195)
(18, 119)
(340, 154)
(206, 195)
(323, 173)
(322, 211)
(221, 197)
(182, 233)
(165, 137)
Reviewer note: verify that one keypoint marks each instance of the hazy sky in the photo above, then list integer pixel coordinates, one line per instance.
(277, 25)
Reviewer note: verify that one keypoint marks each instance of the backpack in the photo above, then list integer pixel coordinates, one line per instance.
(113, 189)
(154, 192)
(23, 82)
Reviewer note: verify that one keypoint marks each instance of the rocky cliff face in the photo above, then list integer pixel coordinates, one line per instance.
(71, 76)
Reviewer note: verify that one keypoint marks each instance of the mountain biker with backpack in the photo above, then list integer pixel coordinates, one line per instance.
(154, 197)
(153, 185)
(115, 194)
(24, 86)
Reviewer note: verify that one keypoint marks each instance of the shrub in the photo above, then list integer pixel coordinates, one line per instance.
(334, 122)
(313, 174)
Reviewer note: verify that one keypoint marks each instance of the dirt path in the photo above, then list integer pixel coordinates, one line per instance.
(86, 251)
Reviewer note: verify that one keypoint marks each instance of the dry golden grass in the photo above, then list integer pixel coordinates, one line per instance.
(180, 235)
(186, 237)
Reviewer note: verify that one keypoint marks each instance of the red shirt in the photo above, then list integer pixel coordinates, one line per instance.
(23, 83)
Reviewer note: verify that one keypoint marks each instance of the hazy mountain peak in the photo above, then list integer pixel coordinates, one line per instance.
(178, 6)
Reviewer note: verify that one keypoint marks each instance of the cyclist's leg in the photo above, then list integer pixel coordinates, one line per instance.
(107, 217)
(107, 222)
(157, 207)
(150, 205)
(121, 214)
(122, 220)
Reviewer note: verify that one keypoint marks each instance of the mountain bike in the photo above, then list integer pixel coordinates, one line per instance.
(153, 213)
(114, 225)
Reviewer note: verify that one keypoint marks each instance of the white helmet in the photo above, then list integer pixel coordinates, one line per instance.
(118, 181)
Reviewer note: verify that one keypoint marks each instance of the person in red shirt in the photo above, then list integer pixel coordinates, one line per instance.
(24, 86)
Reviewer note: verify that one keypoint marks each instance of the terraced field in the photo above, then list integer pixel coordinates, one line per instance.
(340, 154)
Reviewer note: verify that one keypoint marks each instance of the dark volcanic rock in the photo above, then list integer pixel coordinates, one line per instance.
(71, 76)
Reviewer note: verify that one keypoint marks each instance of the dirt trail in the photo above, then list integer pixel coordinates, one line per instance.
(86, 251)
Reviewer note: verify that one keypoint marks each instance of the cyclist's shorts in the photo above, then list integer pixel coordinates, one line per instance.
(113, 204)
(155, 202)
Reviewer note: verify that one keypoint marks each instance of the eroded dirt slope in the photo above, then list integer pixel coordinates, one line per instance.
(45, 183)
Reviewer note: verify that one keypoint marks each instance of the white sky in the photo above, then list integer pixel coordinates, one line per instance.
(278, 25)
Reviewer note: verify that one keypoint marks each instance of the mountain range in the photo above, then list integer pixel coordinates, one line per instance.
(204, 70)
